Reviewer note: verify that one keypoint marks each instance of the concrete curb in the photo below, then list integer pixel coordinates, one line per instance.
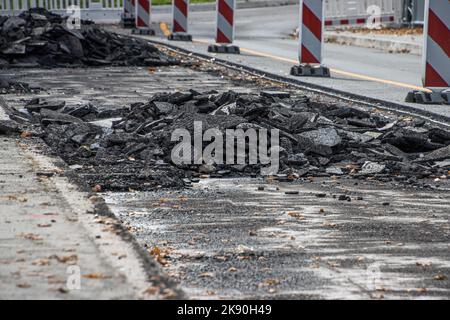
(386, 45)
(247, 4)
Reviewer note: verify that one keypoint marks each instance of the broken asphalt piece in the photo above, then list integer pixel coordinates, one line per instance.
(8, 127)
(372, 168)
(8, 86)
(320, 141)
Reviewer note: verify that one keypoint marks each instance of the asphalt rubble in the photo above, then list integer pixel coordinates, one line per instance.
(39, 38)
(129, 147)
(8, 86)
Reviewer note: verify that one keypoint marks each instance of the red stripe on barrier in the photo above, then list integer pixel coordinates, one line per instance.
(141, 23)
(177, 27)
(145, 4)
(361, 20)
(307, 56)
(433, 79)
(182, 6)
(439, 32)
(221, 38)
(345, 21)
(313, 23)
(328, 23)
(226, 11)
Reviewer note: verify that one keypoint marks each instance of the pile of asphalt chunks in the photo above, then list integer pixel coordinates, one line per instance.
(130, 147)
(38, 37)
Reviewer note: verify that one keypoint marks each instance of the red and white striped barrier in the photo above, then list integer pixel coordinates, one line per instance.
(225, 21)
(128, 16)
(355, 21)
(129, 7)
(436, 54)
(437, 45)
(180, 12)
(143, 17)
(225, 27)
(180, 15)
(311, 39)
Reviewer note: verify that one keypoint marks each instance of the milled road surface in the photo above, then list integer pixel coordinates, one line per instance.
(263, 35)
(224, 239)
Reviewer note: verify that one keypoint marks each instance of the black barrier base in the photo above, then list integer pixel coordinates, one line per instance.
(442, 97)
(143, 32)
(180, 36)
(306, 70)
(127, 21)
(223, 48)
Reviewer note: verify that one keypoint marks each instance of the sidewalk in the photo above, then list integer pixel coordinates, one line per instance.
(55, 243)
(389, 43)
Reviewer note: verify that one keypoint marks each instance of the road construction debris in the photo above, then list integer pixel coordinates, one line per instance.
(39, 38)
(129, 148)
(8, 86)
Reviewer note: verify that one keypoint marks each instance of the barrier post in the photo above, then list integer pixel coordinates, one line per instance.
(311, 40)
(180, 13)
(128, 19)
(436, 55)
(143, 18)
(225, 28)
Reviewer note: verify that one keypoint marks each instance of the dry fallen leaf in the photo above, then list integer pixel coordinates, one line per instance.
(232, 269)
(155, 251)
(151, 291)
(25, 134)
(295, 214)
(269, 282)
(70, 259)
(96, 188)
(53, 279)
(41, 262)
(422, 290)
(31, 236)
(95, 275)
(333, 264)
(221, 258)
(206, 275)
(329, 224)
(23, 285)
(44, 225)
(423, 264)
(440, 277)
